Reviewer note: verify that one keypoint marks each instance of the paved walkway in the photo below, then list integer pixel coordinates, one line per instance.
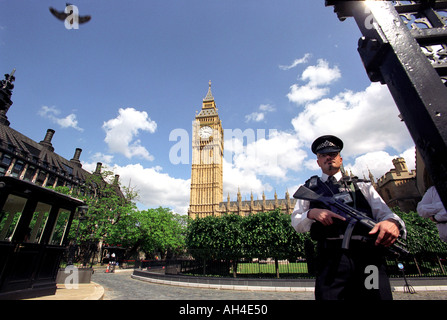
(120, 286)
(84, 291)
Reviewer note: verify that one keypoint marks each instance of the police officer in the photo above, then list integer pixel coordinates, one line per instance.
(360, 271)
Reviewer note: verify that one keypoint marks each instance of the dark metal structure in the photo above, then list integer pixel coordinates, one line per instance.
(34, 226)
(404, 45)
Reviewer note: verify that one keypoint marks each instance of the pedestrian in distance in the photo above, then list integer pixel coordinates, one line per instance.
(112, 262)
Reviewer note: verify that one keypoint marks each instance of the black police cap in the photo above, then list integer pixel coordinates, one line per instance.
(326, 144)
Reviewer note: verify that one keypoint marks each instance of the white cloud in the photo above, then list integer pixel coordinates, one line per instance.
(272, 157)
(52, 114)
(267, 108)
(257, 166)
(122, 131)
(316, 76)
(366, 121)
(246, 181)
(276, 159)
(379, 162)
(410, 158)
(296, 62)
(255, 117)
(306, 93)
(156, 188)
(260, 115)
(101, 157)
(321, 74)
(311, 164)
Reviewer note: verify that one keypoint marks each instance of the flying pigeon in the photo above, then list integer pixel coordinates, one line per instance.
(61, 15)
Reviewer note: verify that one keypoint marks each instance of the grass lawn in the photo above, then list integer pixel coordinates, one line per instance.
(254, 268)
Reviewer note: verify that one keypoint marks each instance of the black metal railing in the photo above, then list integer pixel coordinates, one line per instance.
(425, 263)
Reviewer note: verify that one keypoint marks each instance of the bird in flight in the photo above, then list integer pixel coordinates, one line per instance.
(62, 15)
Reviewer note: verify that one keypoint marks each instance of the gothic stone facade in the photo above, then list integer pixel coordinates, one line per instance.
(206, 197)
(398, 187)
(36, 162)
(246, 207)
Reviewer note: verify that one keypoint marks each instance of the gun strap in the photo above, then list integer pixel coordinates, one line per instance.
(351, 185)
(348, 234)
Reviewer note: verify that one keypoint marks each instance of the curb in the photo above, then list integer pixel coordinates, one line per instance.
(396, 284)
(223, 286)
(84, 291)
(98, 294)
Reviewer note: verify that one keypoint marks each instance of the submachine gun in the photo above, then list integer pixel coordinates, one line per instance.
(337, 204)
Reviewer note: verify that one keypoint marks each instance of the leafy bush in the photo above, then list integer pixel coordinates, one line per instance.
(422, 234)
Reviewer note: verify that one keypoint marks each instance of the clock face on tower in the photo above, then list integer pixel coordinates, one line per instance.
(205, 132)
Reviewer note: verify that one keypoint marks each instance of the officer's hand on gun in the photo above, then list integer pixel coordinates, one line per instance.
(326, 217)
(387, 230)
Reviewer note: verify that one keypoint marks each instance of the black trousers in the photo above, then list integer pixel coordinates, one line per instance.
(355, 274)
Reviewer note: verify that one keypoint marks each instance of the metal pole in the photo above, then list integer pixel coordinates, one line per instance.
(391, 54)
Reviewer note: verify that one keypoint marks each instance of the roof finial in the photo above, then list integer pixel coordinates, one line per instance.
(209, 95)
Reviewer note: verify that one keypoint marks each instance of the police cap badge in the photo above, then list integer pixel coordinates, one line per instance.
(326, 144)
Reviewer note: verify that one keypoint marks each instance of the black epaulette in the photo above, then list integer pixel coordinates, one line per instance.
(312, 182)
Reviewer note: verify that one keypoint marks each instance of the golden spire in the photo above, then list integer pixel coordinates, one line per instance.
(209, 95)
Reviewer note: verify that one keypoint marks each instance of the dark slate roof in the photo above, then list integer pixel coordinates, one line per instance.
(28, 149)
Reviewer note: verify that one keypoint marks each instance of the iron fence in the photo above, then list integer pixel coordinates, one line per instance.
(426, 263)
(423, 264)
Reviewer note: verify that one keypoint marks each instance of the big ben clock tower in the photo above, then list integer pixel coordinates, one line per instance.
(207, 157)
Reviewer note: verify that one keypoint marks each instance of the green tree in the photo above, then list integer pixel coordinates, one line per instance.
(230, 246)
(230, 237)
(107, 204)
(216, 238)
(422, 234)
(151, 231)
(270, 235)
(201, 237)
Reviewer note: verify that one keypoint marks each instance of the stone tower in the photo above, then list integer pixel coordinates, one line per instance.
(207, 160)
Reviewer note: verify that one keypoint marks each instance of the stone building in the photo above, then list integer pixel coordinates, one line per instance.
(398, 187)
(26, 159)
(206, 197)
(246, 207)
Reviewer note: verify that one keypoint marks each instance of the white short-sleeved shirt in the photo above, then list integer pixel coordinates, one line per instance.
(380, 211)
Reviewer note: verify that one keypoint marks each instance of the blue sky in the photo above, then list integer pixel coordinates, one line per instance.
(135, 74)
